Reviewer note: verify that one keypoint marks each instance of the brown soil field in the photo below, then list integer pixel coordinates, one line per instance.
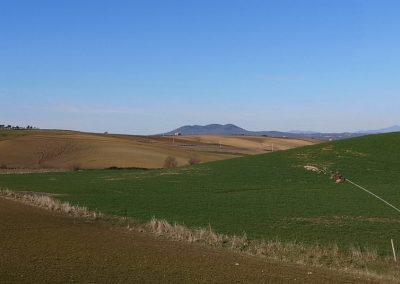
(40, 246)
(52, 149)
(250, 144)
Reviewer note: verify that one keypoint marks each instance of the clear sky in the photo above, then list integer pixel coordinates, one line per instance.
(150, 66)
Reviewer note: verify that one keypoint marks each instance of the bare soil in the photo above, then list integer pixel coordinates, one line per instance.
(39, 246)
(250, 144)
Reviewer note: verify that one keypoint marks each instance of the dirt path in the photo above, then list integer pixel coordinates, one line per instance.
(39, 246)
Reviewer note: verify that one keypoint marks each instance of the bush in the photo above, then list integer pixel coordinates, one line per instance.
(194, 161)
(76, 167)
(170, 162)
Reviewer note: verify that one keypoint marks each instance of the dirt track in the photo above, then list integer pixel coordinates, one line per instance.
(39, 246)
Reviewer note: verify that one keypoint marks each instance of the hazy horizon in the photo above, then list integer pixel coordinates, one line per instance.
(183, 125)
(150, 67)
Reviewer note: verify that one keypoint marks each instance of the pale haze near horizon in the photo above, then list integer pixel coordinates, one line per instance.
(146, 67)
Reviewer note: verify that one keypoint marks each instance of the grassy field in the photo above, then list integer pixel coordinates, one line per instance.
(267, 196)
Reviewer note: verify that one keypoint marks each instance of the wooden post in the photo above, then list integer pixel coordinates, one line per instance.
(394, 251)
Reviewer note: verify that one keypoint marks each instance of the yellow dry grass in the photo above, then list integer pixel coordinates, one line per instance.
(49, 203)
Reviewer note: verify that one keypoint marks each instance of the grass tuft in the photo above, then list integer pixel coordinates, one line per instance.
(49, 203)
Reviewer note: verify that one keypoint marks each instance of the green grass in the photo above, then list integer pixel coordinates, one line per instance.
(267, 196)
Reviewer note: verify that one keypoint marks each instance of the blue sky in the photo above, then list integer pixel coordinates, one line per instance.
(149, 66)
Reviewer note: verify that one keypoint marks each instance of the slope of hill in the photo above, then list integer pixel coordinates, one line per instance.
(249, 144)
(68, 149)
(267, 196)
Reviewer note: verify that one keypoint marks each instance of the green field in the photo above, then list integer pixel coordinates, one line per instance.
(267, 196)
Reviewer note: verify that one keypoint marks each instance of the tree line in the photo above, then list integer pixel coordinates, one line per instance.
(17, 127)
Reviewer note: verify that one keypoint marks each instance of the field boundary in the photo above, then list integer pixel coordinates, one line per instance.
(358, 262)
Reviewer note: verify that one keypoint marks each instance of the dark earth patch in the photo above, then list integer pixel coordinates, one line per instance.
(39, 246)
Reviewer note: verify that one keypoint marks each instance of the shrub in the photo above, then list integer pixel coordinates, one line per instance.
(170, 162)
(76, 167)
(194, 161)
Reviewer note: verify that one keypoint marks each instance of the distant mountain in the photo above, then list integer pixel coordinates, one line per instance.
(227, 129)
(394, 128)
(231, 129)
(302, 132)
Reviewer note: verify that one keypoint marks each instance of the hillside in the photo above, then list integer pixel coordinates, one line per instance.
(248, 144)
(267, 196)
(51, 149)
(69, 149)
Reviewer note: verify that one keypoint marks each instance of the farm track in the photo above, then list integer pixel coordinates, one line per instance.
(39, 246)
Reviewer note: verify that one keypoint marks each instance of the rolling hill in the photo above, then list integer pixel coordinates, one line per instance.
(264, 197)
(53, 149)
(267, 196)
